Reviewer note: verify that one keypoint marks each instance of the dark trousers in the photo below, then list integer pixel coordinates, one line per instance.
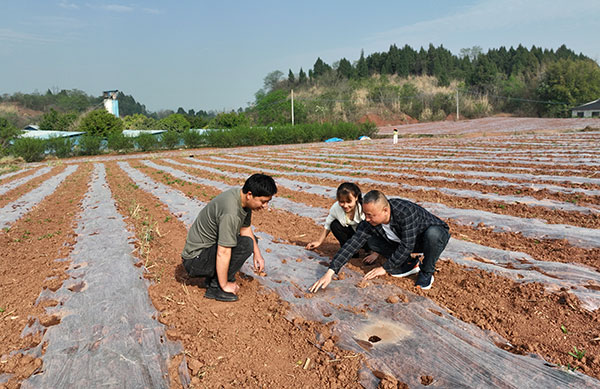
(431, 243)
(343, 234)
(205, 264)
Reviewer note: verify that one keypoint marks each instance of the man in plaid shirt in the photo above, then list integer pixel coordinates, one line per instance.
(394, 228)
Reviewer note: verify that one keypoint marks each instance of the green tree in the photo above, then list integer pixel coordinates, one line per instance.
(569, 81)
(302, 77)
(362, 71)
(146, 141)
(229, 120)
(271, 80)
(197, 121)
(174, 122)
(56, 121)
(170, 139)
(138, 121)
(100, 123)
(8, 132)
(128, 105)
(345, 69)
(60, 146)
(320, 68)
(30, 149)
(484, 74)
(90, 144)
(192, 138)
(291, 77)
(120, 143)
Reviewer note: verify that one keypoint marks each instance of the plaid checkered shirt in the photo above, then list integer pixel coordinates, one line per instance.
(408, 220)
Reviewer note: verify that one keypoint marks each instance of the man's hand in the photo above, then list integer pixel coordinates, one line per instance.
(259, 263)
(323, 281)
(313, 245)
(231, 287)
(378, 271)
(371, 258)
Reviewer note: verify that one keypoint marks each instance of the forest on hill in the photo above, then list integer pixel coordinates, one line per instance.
(398, 86)
(424, 84)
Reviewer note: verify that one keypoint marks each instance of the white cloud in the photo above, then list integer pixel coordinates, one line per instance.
(120, 8)
(152, 11)
(117, 8)
(67, 5)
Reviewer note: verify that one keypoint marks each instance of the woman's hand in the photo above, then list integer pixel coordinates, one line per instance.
(313, 245)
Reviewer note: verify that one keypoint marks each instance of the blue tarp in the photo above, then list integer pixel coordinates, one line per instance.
(334, 140)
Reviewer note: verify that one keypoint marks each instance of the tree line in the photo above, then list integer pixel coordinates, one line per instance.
(555, 80)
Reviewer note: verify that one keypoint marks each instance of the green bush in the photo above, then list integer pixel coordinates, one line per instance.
(170, 139)
(119, 142)
(30, 149)
(100, 123)
(193, 139)
(146, 141)
(89, 145)
(59, 146)
(287, 134)
(8, 132)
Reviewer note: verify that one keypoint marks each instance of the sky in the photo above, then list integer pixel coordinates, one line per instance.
(214, 55)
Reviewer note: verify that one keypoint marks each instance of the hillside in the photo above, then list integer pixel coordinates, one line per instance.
(404, 85)
(19, 115)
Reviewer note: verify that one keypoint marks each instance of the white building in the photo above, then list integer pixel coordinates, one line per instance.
(110, 101)
(587, 110)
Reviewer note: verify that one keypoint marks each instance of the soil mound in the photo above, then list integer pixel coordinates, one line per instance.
(398, 119)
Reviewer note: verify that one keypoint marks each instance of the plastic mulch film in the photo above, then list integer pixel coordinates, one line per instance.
(533, 228)
(383, 171)
(277, 202)
(529, 227)
(406, 340)
(8, 175)
(417, 338)
(20, 181)
(565, 161)
(528, 200)
(453, 164)
(108, 335)
(582, 280)
(14, 210)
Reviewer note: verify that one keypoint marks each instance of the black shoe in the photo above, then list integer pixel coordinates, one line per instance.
(407, 269)
(216, 293)
(424, 281)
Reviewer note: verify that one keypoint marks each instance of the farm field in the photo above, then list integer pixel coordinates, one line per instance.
(93, 290)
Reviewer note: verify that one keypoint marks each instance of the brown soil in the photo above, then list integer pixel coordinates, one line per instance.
(28, 250)
(217, 352)
(228, 345)
(19, 191)
(526, 315)
(396, 119)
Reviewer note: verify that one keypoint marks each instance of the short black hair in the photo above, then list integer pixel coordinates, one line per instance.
(260, 185)
(375, 196)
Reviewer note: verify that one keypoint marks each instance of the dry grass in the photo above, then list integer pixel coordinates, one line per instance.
(11, 164)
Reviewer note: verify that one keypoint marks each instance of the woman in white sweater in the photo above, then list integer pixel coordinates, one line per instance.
(344, 215)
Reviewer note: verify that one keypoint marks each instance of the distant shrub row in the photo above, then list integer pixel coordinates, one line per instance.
(301, 133)
(32, 150)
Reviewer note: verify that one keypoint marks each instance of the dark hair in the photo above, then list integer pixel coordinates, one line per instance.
(376, 196)
(349, 188)
(260, 185)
